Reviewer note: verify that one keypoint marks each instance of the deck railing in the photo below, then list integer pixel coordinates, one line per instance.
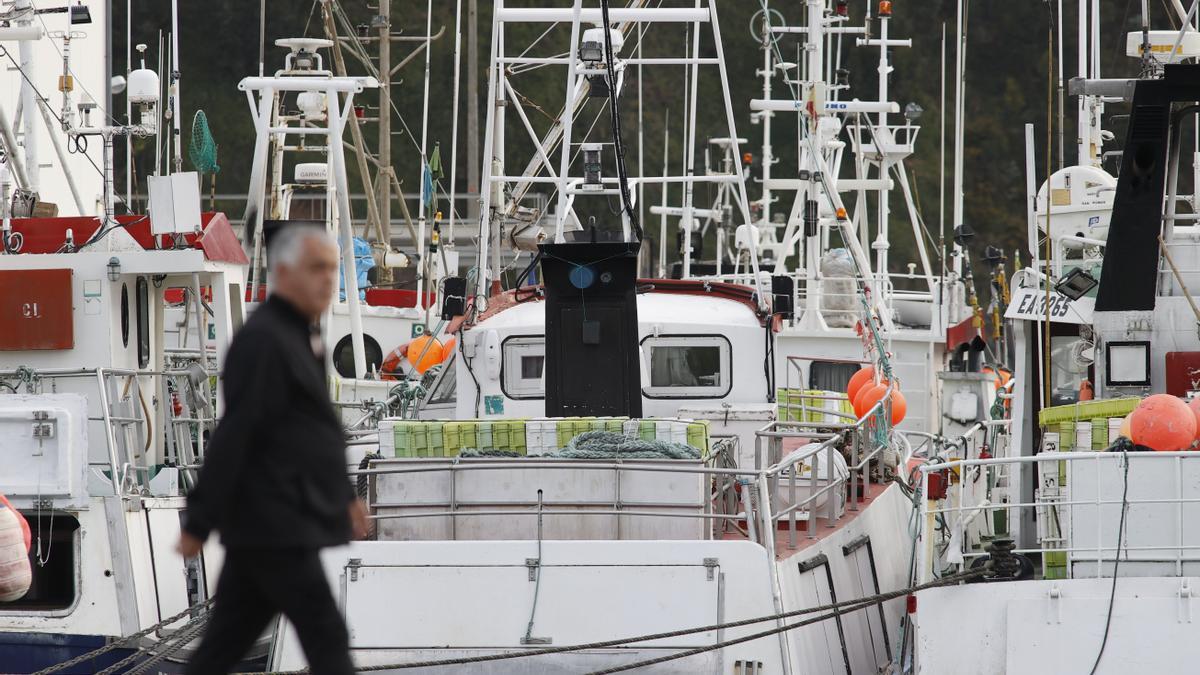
(1083, 502)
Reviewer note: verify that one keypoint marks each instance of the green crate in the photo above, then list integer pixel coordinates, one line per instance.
(1085, 410)
(466, 435)
(697, 436)
(1054, 565)
(647, 431)
(516, 437)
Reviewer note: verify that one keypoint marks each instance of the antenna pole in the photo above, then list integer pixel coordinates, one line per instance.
(128, 105)
(454, 126)
(425, 279)
(473, 156)
(177, 137)
(959, 131)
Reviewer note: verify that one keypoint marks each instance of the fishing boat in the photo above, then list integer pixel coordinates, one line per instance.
(1090, 515)
(508, 516)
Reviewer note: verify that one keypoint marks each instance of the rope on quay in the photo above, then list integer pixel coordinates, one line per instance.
(838, 609)
(165, 647)
(125, 641)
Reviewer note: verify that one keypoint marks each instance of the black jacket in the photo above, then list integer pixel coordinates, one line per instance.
(274, 473)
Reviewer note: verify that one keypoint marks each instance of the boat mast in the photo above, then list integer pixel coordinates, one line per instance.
(960, 78)
(383, 198)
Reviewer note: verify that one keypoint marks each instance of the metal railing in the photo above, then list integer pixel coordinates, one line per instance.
(775, 477)
(127, 468)
(1071, 532)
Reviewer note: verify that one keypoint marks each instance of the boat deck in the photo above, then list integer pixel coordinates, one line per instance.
(803, 538)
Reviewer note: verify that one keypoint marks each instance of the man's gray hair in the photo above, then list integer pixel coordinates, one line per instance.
(287, 244)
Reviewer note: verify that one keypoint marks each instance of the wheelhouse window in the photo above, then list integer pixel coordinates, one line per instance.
(831, 376)
(523, 367)
(687, 366)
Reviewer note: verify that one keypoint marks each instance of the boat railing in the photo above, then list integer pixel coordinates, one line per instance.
(449, 498)
(117, 401)
(1088, 510)
(820, 294)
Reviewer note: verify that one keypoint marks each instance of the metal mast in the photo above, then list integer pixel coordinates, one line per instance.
(384, 178)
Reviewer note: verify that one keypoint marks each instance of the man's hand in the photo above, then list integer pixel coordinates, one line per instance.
(189, 545)
(359, 524)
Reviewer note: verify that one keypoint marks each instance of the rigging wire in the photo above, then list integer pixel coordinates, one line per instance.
(1112, 594)
(47, 108)
(615, 114)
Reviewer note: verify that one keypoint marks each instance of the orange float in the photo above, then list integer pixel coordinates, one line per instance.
(424, 352)
(1163, 422)
(1125, 428)
(858, 380)
(874, 394)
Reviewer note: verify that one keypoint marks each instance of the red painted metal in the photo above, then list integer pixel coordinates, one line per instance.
(47, 235)
(395, 297)
(1183, 372)
(961, 333)
(35, 310)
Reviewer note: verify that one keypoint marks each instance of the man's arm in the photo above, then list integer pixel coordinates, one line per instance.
(252, 396)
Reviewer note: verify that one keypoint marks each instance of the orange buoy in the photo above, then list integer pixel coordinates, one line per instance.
(861, 396)
(868, 398)
(448, 350)
(424, 352)
(1162, 422)
(1125, 428)
(858, 380)
(1194, 404)
(15, 571)
(875, 393)
(899, 407)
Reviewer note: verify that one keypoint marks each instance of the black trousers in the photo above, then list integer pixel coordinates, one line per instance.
(256, 586)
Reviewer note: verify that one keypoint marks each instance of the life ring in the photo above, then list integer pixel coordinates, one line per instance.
(426, 349)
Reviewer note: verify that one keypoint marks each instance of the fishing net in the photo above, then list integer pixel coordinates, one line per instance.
(606, 445)
(202, 148)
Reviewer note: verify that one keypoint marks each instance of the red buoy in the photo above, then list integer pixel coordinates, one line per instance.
(1163, 422)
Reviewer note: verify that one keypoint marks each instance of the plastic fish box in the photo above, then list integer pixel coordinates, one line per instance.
(518, 436)
(1086, 410)
(466, 434)
(500, 435)
(451, 439)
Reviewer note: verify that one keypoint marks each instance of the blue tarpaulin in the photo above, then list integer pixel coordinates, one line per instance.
(363, 261)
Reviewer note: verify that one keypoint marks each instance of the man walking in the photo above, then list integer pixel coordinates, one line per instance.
(274, 482)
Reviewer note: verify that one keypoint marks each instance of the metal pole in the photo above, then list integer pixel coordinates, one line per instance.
(689, 152)
(560, 211)
(473, 156)
(429, 265)
(454, 127)
(383, 181)
(176, 135)
(128, 106)
(337, 119)
(374, 219)
(959, 132)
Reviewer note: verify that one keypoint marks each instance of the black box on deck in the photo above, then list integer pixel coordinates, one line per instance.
(592, 364)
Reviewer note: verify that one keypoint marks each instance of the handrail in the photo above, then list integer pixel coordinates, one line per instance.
(1058, 505)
